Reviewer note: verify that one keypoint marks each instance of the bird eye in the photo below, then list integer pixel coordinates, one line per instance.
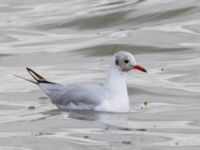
(126, 61)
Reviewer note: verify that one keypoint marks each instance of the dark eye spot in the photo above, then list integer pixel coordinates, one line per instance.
(126, 61)
(117, 62)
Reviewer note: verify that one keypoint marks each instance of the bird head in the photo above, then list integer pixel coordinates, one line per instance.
(125, 61)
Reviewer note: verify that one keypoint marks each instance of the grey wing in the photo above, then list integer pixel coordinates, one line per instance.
(78, 94)
(87, 94)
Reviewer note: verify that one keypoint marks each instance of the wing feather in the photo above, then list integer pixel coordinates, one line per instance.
(78, 94)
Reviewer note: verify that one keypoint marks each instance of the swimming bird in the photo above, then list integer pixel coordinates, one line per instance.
(111, 96)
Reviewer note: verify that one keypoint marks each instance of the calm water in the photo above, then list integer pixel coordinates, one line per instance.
(72, 41)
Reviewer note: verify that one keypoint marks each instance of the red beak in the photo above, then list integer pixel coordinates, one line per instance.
(138, 67)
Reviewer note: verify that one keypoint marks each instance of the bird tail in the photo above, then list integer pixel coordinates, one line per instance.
(48, 87)
(38, 78)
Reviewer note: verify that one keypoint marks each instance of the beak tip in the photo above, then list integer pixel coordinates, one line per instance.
(138, 67)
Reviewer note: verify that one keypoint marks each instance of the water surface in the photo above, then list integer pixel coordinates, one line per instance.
(72, 41)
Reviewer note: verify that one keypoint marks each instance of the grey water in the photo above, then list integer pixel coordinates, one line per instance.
(73, 41)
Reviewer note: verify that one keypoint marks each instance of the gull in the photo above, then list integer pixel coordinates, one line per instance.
(111, 96)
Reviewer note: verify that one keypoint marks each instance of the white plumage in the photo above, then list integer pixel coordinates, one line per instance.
(112, 96)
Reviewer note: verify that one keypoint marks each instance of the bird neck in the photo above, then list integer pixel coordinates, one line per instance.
(116, 81)
(116, 89)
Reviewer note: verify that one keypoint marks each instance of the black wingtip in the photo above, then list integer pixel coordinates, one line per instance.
(35, 75)
(38, 77)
